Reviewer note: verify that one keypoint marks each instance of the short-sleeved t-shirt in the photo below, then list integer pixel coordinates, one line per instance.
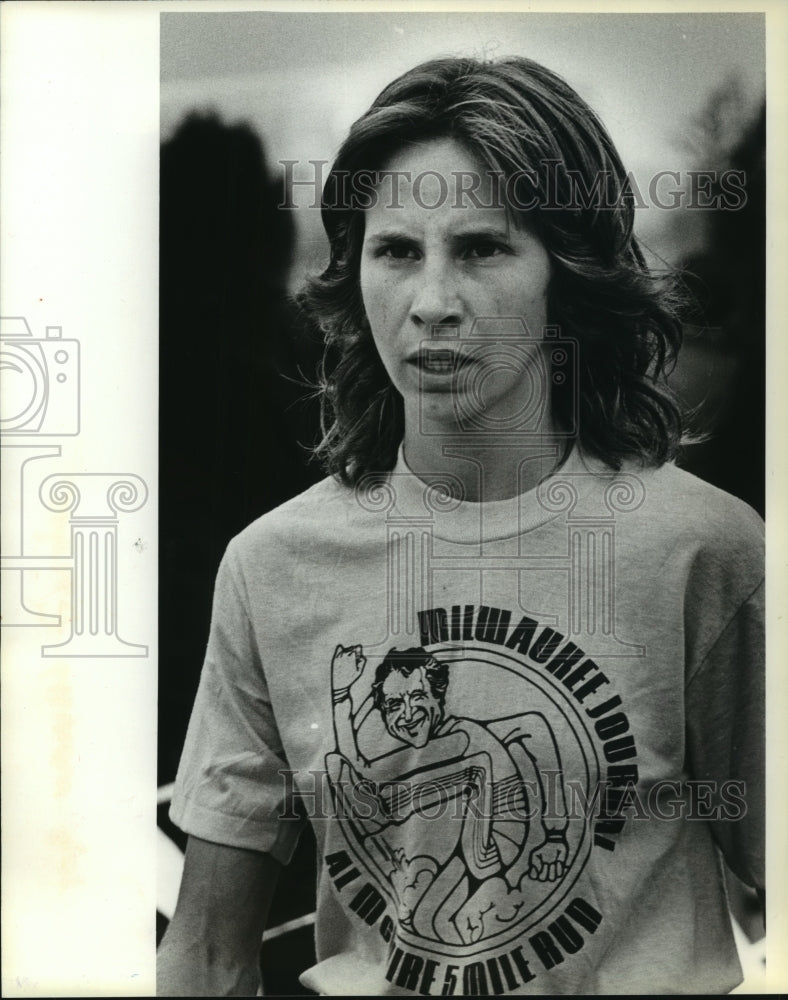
(526, 732)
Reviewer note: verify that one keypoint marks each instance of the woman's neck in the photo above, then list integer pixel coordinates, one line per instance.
(483, 470)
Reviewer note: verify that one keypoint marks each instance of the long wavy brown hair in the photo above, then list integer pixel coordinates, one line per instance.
(565, 180)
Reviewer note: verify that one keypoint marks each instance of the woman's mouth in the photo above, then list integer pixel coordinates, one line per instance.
(439, 361)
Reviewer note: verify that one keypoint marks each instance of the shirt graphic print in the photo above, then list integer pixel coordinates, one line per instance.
(471, 818)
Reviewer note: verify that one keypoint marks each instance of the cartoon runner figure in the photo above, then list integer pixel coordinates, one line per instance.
(478, 777)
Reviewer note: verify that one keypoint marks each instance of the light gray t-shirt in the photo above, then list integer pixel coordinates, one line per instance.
(525, 732)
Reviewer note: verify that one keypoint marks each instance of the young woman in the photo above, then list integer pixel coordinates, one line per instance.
(507, 655)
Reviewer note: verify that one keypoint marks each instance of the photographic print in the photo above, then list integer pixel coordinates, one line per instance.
(384, 485)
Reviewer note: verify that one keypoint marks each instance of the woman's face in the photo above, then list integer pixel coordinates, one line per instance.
(455, 294)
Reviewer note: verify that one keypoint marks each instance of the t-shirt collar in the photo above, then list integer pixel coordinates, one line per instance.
(460, 520)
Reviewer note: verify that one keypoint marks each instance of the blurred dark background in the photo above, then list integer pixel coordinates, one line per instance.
(237, 411)
(238, 414)
(721, 375)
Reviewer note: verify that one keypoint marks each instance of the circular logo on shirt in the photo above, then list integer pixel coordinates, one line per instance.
(462, 779)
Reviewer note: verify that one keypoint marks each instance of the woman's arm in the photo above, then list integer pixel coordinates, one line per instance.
(212, 945)
(726, 744)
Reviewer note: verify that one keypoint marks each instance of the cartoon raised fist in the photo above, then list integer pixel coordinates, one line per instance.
(548, 861)
(346, 667)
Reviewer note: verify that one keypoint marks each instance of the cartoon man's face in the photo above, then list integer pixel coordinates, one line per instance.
(411, 712)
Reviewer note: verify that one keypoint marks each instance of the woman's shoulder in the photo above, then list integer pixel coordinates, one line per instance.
(669, 508)
(324, 505)
(689, 501)
(700, 525)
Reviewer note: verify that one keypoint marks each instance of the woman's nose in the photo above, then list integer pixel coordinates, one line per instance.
(435, 301)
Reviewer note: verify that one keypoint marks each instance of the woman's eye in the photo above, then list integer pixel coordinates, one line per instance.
(483, 250)
(398, 251)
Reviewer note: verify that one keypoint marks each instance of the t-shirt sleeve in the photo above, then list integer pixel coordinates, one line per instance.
(233, 785)
(725, 731)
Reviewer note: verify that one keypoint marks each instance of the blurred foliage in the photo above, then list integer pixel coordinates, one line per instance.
(236, 412)
(722, 366)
